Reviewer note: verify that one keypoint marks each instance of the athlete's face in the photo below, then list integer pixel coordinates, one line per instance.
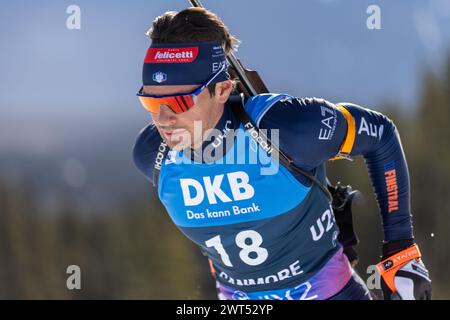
(178, 129)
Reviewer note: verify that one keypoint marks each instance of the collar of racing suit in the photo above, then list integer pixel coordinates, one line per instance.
(218, 141)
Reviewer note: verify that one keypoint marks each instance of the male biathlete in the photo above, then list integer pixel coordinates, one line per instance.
(269, 232)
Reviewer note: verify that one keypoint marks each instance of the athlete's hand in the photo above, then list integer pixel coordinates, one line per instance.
(404, 276)
(411, 281)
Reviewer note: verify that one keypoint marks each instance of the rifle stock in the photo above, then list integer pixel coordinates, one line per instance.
(254, 80)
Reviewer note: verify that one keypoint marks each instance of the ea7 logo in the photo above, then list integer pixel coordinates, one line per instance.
(328, 123)
(238, 183)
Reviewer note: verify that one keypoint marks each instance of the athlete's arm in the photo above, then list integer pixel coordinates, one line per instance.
(313, 130)
(145, 150)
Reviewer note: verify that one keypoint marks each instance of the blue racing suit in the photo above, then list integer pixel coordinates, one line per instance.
(270, 233)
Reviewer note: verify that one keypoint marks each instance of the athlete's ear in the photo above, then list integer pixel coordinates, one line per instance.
(223, 90)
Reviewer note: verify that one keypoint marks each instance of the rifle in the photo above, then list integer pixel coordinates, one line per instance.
(341, 197)
(250, 83)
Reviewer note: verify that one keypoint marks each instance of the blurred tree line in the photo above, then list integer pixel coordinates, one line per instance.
(425, 136)
(133, 253)
(136, 252)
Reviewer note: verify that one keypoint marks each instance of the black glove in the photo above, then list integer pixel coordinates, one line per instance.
(343, 197)
(403, 274)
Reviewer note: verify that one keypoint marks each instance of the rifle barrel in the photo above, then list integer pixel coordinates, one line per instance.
(196, 3)
(233, 61)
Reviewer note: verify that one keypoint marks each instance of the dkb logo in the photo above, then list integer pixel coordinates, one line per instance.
(194, 191)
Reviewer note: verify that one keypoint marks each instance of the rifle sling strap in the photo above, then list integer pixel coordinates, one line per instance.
(236, 105)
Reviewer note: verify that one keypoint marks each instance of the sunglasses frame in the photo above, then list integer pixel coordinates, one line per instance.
(193, 93)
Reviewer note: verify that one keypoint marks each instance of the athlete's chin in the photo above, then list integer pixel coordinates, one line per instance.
(176, 142)
(177, 146)
(176, 139)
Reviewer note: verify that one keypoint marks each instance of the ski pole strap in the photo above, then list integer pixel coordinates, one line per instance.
(347, 146)
(389, 267)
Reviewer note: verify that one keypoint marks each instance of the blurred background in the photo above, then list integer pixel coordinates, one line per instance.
(70, 194)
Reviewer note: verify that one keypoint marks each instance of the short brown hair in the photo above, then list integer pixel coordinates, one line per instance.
(192, 25)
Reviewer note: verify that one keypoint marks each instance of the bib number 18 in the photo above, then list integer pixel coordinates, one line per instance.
(241, 241)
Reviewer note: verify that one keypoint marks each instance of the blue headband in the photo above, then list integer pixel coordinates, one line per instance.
(168, 64)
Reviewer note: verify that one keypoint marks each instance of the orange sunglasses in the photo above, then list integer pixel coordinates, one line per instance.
(178, 103)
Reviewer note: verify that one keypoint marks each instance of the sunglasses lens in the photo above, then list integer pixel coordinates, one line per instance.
(178, 104)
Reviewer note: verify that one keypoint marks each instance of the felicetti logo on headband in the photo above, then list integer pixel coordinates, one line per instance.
(171, 55)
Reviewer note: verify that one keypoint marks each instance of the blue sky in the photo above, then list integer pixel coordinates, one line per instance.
(69, 92)
(314, 47)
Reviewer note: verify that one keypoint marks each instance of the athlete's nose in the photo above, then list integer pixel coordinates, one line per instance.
(165, 117)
